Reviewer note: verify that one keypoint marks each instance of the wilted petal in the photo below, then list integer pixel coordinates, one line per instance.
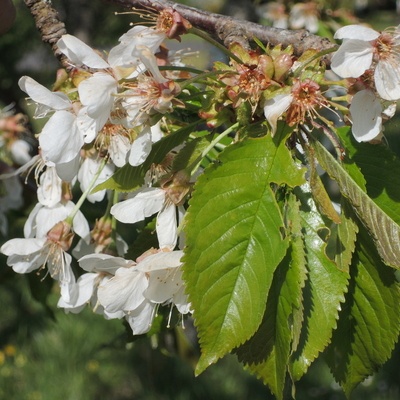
(275, 107)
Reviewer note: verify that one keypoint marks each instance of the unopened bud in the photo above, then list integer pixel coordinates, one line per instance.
(282, 64)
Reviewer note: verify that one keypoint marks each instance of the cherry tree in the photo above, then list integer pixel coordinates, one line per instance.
(226, 167)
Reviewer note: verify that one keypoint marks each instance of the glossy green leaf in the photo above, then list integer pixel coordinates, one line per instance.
(267, 353)
(129, 178)
(234, 241)
(383, 229)
(381, 169)
(323, 292)
(369, 324)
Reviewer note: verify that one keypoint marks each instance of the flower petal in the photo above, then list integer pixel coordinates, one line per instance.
(60, 139)
(144, 204)
(352, 59)
(42, 95)
(275, 107)
(366, 110)
(356, 32)
(387, 79)
(80, 53)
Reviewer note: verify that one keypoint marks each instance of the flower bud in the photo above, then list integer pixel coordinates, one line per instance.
(282, 64)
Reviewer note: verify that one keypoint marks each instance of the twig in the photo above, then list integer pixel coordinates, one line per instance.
(50, 26)
(224, 27)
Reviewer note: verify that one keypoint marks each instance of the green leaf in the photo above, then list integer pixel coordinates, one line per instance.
(267, 353)
(129, 178)
(383, 229)
(235, 240)
(369, 324)
(346, 237)
(323, 292)
(381, 169)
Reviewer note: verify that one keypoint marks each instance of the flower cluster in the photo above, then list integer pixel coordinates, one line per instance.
(104, 115)
(121, 130)
(371, 61)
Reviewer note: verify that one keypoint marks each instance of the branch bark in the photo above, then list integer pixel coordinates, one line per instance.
(50, 26)
(220, 26)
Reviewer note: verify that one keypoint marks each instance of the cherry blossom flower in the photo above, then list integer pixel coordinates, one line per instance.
(300, 104)
(61, 139)
(304, 15)
(100, 268)
(26, 255)
(138, 289)
(364, 48)
(145, 203)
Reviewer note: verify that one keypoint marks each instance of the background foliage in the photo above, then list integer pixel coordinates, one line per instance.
(45, 354)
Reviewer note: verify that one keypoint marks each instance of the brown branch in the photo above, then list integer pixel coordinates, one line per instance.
(50, 26)
(221, 26)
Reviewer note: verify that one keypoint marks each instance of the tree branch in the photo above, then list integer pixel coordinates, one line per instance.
(221, 26)
(50, 26)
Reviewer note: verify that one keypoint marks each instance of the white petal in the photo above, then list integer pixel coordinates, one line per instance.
(49, 190)
(85, 288)
(366, 110)
(102, 263)
(387, 79)
(356, 32)
(163, 284)
(118, 149)
(140, 148)
(22, 247)
(166, 227)
(352, 59)
(88, 170)
(275, 107)
(30, 223)
(42, 95)
(140, 320)
(80, 53)
(28, 263)
(61, 140)
(20, 151)
(124, 291)
(161, 260)
(145, 203)
(67, 171)
(97, 93)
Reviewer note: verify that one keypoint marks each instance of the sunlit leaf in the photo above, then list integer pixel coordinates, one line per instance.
(235, 240)
(267, 353)
(383, 229)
